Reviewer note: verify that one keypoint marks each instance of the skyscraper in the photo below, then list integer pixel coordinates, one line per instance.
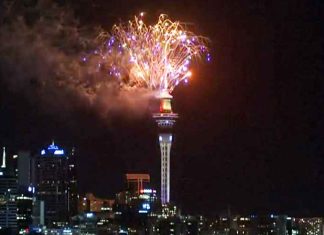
(24, 167)
(72, 184)
(8, 193)
(24, 200)
(56, 184)
(165, 120)
(25, 196)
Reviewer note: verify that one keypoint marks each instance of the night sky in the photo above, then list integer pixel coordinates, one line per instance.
(250, 133)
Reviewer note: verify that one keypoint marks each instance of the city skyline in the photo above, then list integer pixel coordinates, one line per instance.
(250, 133)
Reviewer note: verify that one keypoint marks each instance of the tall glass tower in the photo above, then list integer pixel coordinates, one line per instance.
(165, 120)
(56, 184)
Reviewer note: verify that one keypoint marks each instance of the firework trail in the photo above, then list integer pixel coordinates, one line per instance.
(157, 56)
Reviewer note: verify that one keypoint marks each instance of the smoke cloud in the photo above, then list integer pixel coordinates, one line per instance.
(42, 48)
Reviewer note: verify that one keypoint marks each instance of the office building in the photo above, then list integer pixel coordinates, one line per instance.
(25, 202)
(135, 208)
(91, 203)
(56, 184)
(24, 169)
(8, 193)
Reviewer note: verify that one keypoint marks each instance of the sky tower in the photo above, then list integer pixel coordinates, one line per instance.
(165, 120)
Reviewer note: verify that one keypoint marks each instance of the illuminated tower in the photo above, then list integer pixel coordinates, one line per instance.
(165, 120)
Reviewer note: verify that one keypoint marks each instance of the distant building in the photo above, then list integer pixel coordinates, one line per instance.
(311, 226)
(168, 226)
(25, 202)
(25, 198)
(252, 225)
(292, 227)
(137, 182)
(24, 169)
(91, 203)
(137, 206)
(86, 224)
(267, 225)
(189, 225)
(138, 193)
(8, 193)
(72, 184)
(56, 184)
(245, 225)
(95, 214)
(38, 213)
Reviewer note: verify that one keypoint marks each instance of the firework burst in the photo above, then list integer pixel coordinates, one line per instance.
(154, 56)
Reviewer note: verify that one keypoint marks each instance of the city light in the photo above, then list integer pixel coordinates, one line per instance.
(59, 152)
(89, 215)
(53, 149)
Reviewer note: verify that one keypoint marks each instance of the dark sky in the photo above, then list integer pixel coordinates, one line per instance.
(250, 132)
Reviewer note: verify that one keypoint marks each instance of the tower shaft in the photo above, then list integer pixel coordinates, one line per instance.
(165, 147)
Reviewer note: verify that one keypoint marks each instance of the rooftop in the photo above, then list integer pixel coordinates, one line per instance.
(53, 150)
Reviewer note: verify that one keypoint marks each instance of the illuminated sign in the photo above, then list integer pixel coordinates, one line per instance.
(148, 190)
(144, 196)
(53, 149)
(146, 206)
(142, 211)
(59, 152)
(67, 230)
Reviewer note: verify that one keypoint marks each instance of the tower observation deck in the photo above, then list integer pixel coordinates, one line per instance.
(165, 120)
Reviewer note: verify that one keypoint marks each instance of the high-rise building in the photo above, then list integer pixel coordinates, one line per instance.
(137, 196)
(165, 120)
(56, 184)
(25, 201)
(24, 169)
(136, 207)
(25, 196)
(72, 184)
(8, 193)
